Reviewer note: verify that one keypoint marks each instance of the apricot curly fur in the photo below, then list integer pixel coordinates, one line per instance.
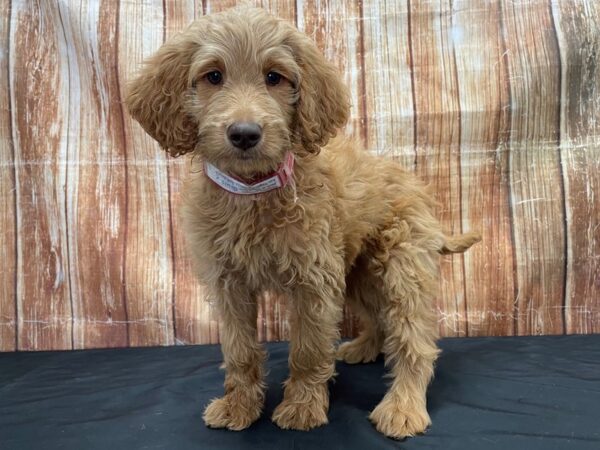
(351, 227)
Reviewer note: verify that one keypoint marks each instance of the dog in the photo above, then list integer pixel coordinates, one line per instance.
(282, 203)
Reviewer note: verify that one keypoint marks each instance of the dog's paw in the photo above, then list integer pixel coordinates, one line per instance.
(303, 406)
(299, 416)
(231, 412)
(396, 420)
(358, 351)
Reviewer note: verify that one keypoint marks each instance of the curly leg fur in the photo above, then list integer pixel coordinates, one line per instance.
(410, 350)
(244, 387)
(313, 331)
(364, 349)
(364, 301)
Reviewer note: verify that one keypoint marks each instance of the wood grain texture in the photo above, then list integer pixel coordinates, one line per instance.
(437, 139)
(484, 180)
(8, 233)
(387, 72)
(148, 258)
(39, 83)
(95, 191)
(495, 103)
(578, 28)
(536, 183)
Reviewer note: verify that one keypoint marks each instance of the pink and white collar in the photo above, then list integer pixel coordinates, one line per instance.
(280, 178)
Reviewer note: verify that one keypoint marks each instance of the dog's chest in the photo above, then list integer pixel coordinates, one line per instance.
(266, 245)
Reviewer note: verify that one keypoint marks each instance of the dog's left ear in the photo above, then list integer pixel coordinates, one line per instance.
(324, 102)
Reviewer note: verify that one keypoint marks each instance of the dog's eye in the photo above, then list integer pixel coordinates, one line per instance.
(214, 77)
(273, 78)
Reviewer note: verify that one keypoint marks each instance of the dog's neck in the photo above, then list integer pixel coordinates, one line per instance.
(263, 184)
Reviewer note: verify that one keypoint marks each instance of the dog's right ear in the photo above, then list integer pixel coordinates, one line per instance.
(156, 97)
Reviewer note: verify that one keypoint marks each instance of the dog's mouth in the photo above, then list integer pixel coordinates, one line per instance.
(246, 155)
(249, 163)
(246, 165)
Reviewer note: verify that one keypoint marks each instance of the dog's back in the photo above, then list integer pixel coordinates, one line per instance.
(376, 192)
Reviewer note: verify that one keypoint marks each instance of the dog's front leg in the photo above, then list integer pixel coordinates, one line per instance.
(244, 359)
(314, 316)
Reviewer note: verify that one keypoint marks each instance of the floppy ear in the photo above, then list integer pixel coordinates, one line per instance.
(324, 102)
(156, 97)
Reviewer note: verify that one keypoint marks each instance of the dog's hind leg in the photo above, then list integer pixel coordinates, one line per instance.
(408, 273)
(365, 300)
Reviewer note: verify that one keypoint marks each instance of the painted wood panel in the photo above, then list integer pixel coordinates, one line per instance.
(476, 31)
(39, 84)
(387, 70)
(536, 183)
(437, 139)
(495, 103)
(95, 191)
(8, 233)
(578, 28)
(148, 262)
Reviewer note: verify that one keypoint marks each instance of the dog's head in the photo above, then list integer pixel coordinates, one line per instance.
(239, 88)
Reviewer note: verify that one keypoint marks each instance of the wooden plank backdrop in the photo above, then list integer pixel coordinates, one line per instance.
(496, 103)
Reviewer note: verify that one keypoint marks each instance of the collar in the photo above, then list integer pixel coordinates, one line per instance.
(275, 180)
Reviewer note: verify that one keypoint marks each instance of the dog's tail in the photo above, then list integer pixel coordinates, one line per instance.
(459, 243)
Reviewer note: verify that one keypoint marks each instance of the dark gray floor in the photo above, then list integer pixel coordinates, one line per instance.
(492, 393)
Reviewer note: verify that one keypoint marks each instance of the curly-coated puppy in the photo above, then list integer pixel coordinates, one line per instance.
(282, 205)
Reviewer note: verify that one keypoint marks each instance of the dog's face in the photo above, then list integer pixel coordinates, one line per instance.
(243, 95)
(240, 89)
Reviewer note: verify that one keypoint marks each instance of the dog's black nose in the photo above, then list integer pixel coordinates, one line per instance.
(244, 135)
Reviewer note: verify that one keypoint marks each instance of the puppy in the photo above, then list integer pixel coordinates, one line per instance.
(281, 204)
